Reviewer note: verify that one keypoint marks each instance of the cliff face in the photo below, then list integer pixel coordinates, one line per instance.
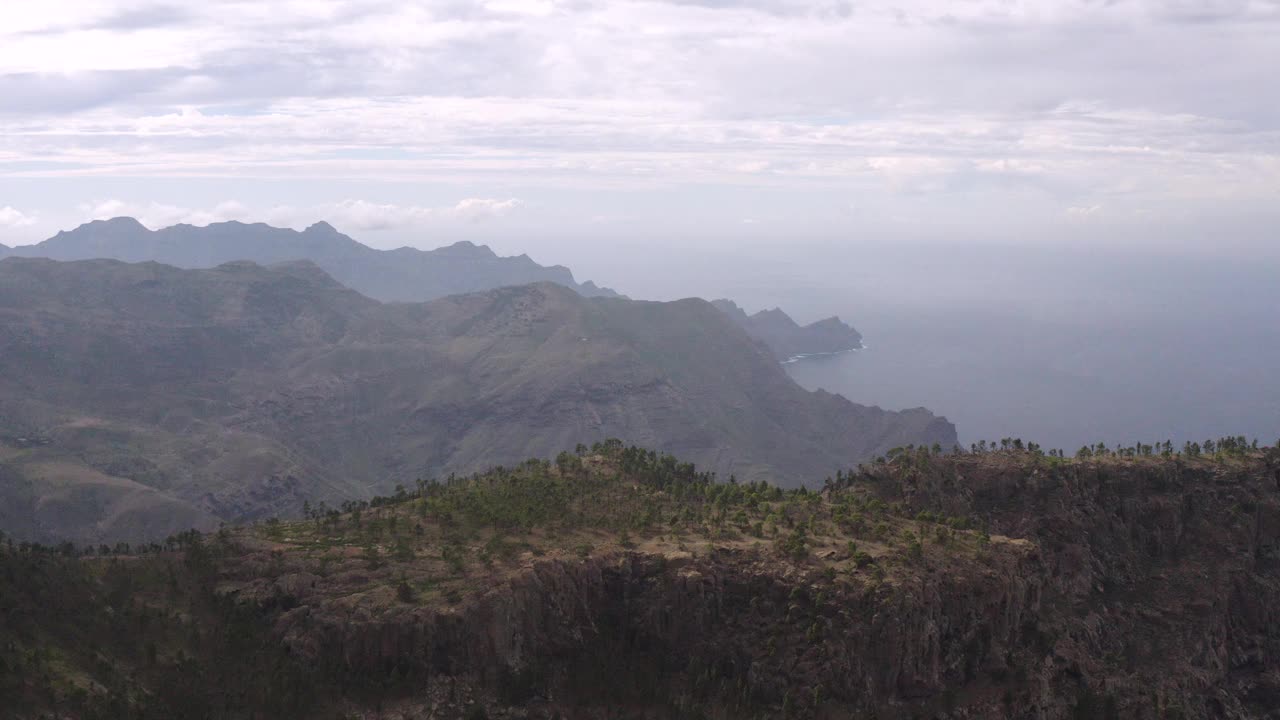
(724, 633)
(1164, 574)
(1113, 589)
(622, 584)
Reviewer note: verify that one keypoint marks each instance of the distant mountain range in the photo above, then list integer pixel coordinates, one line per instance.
(141, 399)
(402, 275)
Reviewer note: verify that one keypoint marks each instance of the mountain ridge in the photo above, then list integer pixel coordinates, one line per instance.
(403, 274)
(788, 339)
(619, 582)
(243, 391)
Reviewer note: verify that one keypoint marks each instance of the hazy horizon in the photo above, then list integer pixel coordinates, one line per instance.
(1057, 345)
(555, 125)
(1078, 199)
(1060, 346)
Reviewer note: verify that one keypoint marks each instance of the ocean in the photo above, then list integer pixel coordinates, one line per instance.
(1057, 346)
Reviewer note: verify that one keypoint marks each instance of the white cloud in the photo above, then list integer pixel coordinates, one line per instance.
(366, 215)
(1064, 99)
(10, 217)
(1084, 211)
(353, 215)
(157, 215)
(477, 209)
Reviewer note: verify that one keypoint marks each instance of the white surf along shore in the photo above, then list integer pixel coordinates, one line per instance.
(805, 356)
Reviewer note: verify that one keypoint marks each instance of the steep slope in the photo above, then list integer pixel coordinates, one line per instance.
(243, 391)
(402, 275)
(788, 339)
(405, 274)
(617, 583)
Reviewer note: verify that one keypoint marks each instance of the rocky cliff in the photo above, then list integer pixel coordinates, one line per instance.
(1147, 590)
(619, 583)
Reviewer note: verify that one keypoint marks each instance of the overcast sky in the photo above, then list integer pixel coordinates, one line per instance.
(708, 121)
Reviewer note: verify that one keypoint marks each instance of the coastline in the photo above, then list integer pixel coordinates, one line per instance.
(805, 356)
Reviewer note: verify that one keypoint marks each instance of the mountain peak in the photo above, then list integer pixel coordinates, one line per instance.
(774, 314)
(321, 227)
(405, 274)
(466, 248)
(122, 223)
(787, 339)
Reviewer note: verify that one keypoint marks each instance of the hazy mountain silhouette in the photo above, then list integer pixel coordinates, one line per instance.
(787, 338)
(144, 398)
(402, 275)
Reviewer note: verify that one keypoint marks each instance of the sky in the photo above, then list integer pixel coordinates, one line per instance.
(553, 126)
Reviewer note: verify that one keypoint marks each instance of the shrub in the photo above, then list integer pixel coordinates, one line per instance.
(452, 554)
(404, 593)
(915, 551)
(794, 545)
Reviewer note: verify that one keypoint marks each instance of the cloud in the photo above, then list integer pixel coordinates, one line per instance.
(126, 18)
(1085, 211)
(952, 100)
(28, 92)
(156, 215)
(143, 17)
(366, 215)
(477, 209)
(10, 217)
(352, 214)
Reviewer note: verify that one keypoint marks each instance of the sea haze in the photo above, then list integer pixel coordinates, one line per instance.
(1062, 347)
